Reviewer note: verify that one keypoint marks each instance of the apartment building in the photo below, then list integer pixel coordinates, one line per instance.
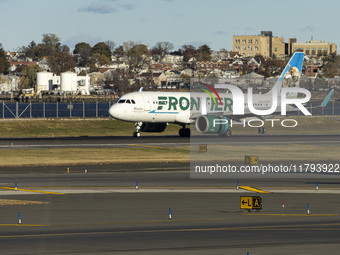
(265, 44)
(315, 47)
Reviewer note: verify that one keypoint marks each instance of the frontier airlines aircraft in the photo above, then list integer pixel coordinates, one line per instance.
(211, 112)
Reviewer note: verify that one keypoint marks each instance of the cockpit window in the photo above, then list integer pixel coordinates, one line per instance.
(126, 101)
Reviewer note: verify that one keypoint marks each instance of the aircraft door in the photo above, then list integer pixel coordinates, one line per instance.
(147, 103)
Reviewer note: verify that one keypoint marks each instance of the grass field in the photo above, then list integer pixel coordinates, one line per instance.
(108, 127)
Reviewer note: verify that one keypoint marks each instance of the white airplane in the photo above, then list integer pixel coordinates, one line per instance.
(152, 111)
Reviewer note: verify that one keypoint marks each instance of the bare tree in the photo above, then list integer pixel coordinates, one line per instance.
(161, 49)
(118, 80)
(111, 44)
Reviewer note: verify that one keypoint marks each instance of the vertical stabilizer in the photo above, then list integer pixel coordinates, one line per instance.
(290, 77)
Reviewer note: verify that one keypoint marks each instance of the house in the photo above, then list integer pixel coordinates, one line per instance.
(8, 83)
(15, 64)
(161, 66)
(208, 66)
(174, 59)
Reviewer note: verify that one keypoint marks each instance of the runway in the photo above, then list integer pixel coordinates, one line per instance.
(165, 141)
(102, 211)
(137, 222)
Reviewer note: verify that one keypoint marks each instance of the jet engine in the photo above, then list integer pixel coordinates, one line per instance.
(212, 124)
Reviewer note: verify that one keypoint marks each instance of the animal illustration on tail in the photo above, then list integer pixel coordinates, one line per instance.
(291, 77)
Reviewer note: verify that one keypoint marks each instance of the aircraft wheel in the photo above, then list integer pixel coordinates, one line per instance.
(262, 130)
(226, 134)
(181, 132)
(136, 134)
(184, 132)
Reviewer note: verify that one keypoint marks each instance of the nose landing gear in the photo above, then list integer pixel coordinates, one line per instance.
(138, 127)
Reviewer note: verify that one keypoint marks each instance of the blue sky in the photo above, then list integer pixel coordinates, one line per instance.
(181, 22)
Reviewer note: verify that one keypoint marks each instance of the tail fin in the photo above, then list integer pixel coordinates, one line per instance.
(325, 101)
(290, 77)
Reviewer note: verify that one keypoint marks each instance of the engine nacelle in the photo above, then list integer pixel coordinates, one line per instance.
(212, 124)
(152, 127)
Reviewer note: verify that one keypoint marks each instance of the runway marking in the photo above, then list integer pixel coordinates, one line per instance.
(24, 225)
(272, 216)
(316, 227)
(301, 144)
(292, 214)
(146, 146)
(36, 191)
(253, 189)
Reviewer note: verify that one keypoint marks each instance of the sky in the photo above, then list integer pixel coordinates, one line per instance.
(195, 22)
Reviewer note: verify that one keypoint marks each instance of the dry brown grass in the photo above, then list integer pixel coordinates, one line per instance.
(289, 152)
(78, 156)
(109, 127)
(20, 202)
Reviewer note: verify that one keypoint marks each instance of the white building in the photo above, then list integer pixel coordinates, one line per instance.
(67, 82)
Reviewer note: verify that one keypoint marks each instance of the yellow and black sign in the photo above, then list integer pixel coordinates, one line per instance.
(250, 203)
(203, 148)
(252, 160)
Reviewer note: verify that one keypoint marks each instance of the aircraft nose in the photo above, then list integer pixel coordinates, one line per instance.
(113, 111)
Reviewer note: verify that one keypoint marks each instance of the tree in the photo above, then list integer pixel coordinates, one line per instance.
(161, 49)
(30, 50)
(80, 46)
(103, 49)
(118, 80)
(4, 64)
(203, 53)
(331, 66)
(272, 67)
(112, 45)
(138, 56)
(119, 51)
(65, 48)
(52, 42)
(29, 76)
(188, 51)
(96, 61)
(60, 62)
(84, 51)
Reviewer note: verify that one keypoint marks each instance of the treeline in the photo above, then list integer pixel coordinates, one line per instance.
(135, 55)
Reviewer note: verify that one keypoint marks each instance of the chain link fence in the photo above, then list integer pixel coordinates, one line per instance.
(101, 110)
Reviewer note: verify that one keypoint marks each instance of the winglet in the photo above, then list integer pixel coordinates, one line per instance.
(141, 89)
(325, 101)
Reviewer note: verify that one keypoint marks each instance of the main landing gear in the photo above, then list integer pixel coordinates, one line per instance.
(184, 132)
(137, 126)
(226, 134)
(262, 130)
